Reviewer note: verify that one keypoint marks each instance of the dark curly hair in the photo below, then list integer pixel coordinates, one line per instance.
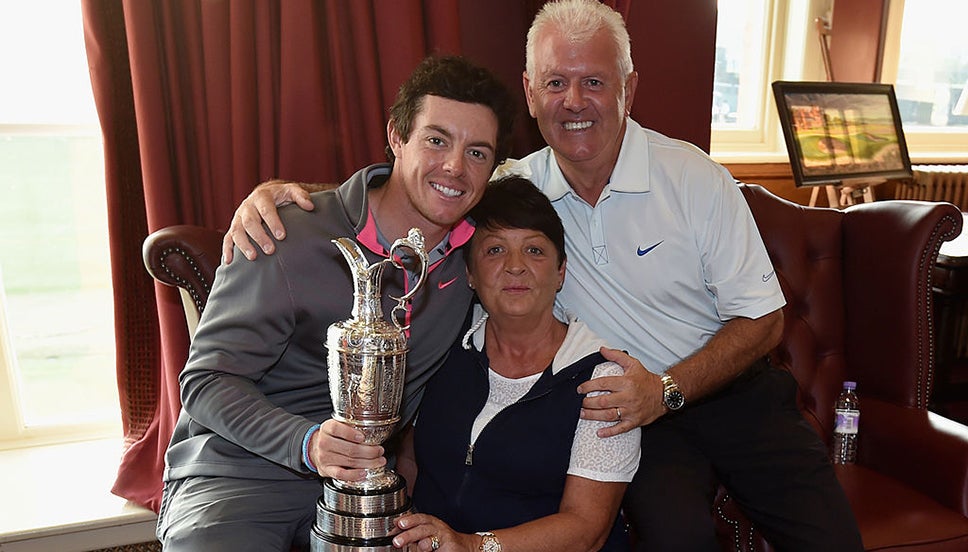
(454, 78)
(514, 202)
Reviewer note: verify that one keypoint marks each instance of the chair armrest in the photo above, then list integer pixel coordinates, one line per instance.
(184, 256)
(919, 448)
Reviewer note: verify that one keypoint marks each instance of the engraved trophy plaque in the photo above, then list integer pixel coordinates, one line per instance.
(367, 360)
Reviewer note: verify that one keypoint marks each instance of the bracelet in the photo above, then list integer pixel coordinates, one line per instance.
(305, 448)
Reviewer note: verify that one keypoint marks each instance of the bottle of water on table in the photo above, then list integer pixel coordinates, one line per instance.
(847, 410)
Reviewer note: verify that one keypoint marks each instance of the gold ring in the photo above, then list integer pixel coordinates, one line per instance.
(618, 414)
(434, 542)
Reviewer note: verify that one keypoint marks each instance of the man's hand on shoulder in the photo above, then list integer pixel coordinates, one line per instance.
(262, 205)
(630, 400)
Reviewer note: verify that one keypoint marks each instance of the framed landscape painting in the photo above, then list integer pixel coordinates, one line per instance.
(838, 132)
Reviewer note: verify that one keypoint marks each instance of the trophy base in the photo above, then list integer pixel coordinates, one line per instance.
(358, 520)
(329, 543)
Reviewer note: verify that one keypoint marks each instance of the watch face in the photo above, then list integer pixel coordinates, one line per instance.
(674, 399)
(490, 544)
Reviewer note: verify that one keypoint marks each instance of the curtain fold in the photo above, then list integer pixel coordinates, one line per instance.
(200, 100)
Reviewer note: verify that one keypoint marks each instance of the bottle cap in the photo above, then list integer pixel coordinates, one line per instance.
(850, 385)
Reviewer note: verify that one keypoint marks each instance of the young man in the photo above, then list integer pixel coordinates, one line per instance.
(666, 262)
(241, 469)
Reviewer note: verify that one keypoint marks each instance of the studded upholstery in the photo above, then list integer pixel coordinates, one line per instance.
(186, 257)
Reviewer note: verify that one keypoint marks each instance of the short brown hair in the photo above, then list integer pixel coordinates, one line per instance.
(514, 202)
(454, 78)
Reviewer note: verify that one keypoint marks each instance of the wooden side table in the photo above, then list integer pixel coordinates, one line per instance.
(950, 396)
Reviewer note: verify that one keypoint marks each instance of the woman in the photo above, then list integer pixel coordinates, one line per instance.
(505, 463)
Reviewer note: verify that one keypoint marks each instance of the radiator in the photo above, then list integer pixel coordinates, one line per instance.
(937, 183)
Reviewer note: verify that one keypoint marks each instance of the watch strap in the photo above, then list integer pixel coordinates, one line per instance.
(672, 396)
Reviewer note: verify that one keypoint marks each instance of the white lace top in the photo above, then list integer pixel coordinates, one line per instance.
(612, 459)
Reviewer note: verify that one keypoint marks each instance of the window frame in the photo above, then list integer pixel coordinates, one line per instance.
(11, 417)
(793, 31)
(939, 146)
(14, 431)
(47, 65)
(787, 39)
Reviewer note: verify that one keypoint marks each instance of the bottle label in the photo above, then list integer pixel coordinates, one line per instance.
(847, 421)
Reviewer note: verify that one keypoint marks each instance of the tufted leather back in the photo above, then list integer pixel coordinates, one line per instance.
(857, 285)
(806, 248)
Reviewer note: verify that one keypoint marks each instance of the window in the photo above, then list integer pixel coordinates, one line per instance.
(760, 41)
(926, 57)
(57, 366)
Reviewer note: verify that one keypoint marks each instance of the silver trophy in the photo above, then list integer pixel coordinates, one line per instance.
(367, 361)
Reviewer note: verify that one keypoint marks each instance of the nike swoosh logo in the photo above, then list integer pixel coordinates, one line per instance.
(442, 285)
(766, 277)
(642, 252)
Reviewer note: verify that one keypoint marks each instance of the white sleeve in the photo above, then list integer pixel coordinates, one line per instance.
(613, 459)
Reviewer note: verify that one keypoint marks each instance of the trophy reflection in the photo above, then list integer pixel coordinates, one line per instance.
(367, 361)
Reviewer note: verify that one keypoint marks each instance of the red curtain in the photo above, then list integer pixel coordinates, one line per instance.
(199, 100)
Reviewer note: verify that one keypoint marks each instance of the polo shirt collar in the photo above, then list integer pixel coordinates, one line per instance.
(631, 173)
(631, 168)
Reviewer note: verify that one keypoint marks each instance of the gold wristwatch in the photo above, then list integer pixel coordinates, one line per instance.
(489, 542)
(672, 397)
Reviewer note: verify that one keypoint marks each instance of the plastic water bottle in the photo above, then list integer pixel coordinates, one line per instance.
(847, 410)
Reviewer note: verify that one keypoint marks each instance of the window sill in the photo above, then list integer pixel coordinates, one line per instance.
(58, 497)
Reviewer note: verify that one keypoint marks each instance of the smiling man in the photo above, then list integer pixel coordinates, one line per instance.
(241, 467)
(666, 262)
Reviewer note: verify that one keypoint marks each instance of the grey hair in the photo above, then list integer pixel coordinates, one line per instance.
(579, 20)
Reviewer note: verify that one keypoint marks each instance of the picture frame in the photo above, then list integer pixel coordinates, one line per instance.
(842, 133)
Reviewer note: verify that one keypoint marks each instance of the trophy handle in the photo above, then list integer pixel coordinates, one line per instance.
(415, 242)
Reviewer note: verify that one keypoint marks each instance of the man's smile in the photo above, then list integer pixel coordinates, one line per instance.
(447, 191)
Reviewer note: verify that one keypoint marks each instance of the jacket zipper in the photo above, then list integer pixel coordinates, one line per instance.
(469, 457)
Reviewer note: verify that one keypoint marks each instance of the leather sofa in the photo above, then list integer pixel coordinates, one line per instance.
(859, 307)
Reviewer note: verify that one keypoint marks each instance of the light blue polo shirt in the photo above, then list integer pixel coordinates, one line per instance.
(668, 254)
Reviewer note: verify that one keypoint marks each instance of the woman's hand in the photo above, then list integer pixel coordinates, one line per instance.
(428, 533)
(262, 206)
(337, 451)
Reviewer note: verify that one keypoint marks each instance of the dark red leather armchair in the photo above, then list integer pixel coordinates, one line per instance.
(859, 307)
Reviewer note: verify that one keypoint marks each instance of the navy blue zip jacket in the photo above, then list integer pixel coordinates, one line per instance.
(516, 470)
